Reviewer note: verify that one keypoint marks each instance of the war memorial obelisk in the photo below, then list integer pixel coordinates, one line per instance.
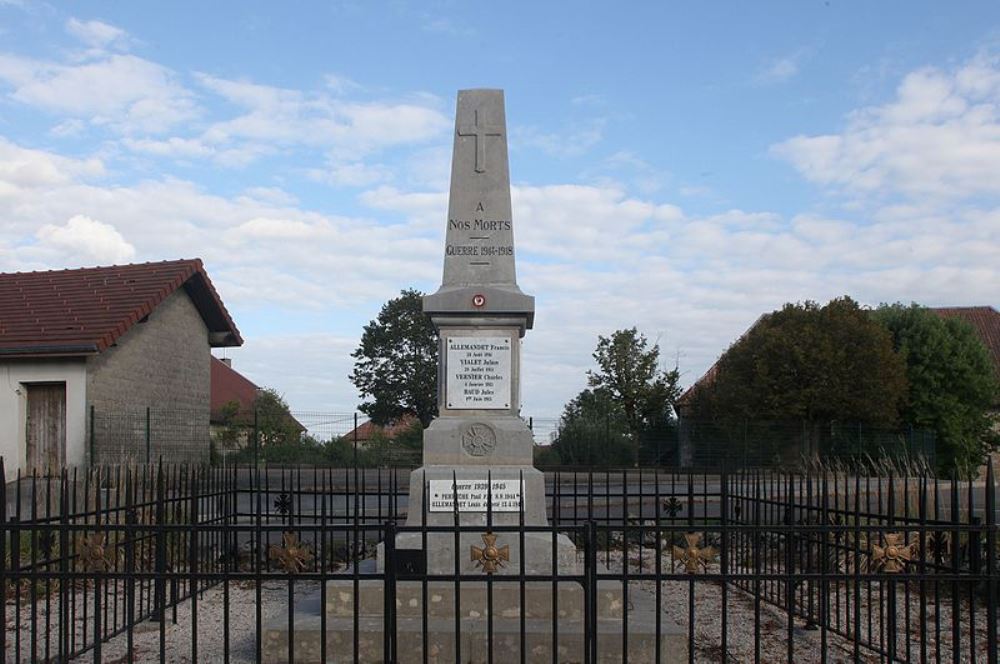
(478, 453)
(481, 315)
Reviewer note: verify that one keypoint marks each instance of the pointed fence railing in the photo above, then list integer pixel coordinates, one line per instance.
(191, 563)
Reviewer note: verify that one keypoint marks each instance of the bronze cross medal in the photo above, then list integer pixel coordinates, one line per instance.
(491, 557)
(894, 556)
(692, 556)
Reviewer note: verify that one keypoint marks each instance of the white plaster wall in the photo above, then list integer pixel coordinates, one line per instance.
(13, 407)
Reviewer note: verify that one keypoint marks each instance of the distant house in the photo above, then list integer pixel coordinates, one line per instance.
(232, 403)
(685, 402)
(231, 389)
(234, 398)
(112, 341)
(368, 431)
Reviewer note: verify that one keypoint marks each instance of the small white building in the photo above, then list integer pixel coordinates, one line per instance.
(112, 341)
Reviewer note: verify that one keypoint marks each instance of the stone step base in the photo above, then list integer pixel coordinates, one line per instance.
(473, 596)
(538, 641)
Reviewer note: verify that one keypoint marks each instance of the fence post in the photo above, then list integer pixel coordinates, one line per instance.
(389, 595)
(975, 543)
(789, 563)
(160, 592)
(3, 560)
(194, 486)
(724, 549)
(590, 589)
(992, 589)
(130, 523)
(93, 457)
(65, 626)
(256, 439)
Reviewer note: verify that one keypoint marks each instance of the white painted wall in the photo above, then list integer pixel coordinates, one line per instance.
(14, 403)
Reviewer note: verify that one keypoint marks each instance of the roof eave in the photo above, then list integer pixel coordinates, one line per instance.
(49, 350)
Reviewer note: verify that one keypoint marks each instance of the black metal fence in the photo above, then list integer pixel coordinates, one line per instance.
(174, 563)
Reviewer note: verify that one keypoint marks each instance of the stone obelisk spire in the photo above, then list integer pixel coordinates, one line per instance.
(479, 276)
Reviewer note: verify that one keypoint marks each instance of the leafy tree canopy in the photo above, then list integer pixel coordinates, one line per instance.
(809, 363)
(275, 423)
(952, 383)
(629, 373)
(629, 403)
(593, 432)
(395, 367)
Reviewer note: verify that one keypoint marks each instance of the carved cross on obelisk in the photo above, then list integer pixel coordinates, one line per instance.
(479, 132)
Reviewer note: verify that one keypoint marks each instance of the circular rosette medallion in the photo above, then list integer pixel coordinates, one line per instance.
(479, 440)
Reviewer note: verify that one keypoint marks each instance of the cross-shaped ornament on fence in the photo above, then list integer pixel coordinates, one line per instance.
(292, 556)
(92, 553)
(894, 556)
(692, 556)
(491, 557)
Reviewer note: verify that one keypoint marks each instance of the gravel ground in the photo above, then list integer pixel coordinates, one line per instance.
(740, 613)
(807, 643)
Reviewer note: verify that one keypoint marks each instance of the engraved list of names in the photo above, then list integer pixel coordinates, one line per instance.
(478, 372)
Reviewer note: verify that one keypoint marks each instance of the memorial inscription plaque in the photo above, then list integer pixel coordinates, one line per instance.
(473, 496)
(478, 372)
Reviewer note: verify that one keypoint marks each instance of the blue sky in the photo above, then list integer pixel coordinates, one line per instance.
(680, 167)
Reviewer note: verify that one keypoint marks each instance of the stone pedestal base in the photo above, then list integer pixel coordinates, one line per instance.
(539, 552)
(470, 631)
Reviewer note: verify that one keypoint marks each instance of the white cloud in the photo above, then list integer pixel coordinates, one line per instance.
(97, 34)
(939, 138)
(351, 174)
(339, 84)
(171, 147)
(284, 116)
(84, 241)
(125, 92)
(23, 168)
(778, 70)
(574, 141)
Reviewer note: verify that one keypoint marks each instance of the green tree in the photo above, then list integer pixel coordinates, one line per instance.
(233, 430)
(396, 363)
(593, 432)
(275, 424)
(812, 364)
(628, 371)
(952, 383)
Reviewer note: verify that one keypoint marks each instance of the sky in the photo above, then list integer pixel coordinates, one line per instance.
(679, 167)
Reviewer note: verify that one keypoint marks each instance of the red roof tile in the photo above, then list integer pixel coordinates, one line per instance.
(228, 384)
(83, 311)
(369, 429)
(713, 371)
(985, 321)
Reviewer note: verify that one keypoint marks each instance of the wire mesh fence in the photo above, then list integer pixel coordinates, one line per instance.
(694, 443)
(145, 435)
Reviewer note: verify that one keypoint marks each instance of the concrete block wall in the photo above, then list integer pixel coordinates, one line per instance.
(162, 364)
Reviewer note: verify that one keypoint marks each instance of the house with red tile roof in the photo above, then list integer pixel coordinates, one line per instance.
(233, 399)
(368, 431)
(230, 388)
(85, 352)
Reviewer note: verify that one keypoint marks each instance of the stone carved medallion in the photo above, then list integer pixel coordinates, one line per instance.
(479, 440)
